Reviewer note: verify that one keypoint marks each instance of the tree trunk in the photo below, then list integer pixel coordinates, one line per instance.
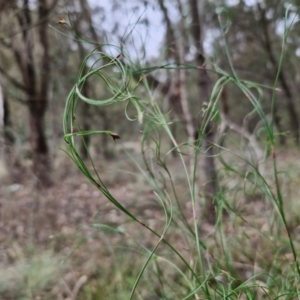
(178, 99)
(292, 111)
(211, 186)
(86, 15)
(39, 148)
(36, 91)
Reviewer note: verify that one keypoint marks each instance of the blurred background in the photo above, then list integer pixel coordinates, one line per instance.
(39, 65)
(46, 205)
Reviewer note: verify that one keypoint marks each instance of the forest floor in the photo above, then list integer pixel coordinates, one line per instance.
(54, 242)
(57, 232)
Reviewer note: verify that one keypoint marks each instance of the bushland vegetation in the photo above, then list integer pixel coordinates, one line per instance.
(133, 173)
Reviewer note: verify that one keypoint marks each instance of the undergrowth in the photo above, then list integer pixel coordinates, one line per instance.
(249, 253)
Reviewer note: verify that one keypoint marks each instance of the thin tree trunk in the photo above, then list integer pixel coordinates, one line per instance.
(188, 118)
(36, 96)
(87, 17)
(85, 119)
(178, 99)
(294, 120)
(211, 186)
(39, 148)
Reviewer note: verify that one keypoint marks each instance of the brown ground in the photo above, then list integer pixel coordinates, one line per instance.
(55, 225)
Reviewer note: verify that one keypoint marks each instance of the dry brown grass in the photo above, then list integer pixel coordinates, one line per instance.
(48, 231)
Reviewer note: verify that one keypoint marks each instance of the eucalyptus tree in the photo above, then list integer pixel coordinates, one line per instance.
(255, 43)
(25, 41)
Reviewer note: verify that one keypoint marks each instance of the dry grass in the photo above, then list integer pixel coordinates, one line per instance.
(49, 250)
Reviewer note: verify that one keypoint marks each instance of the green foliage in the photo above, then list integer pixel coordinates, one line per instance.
(209, 266)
